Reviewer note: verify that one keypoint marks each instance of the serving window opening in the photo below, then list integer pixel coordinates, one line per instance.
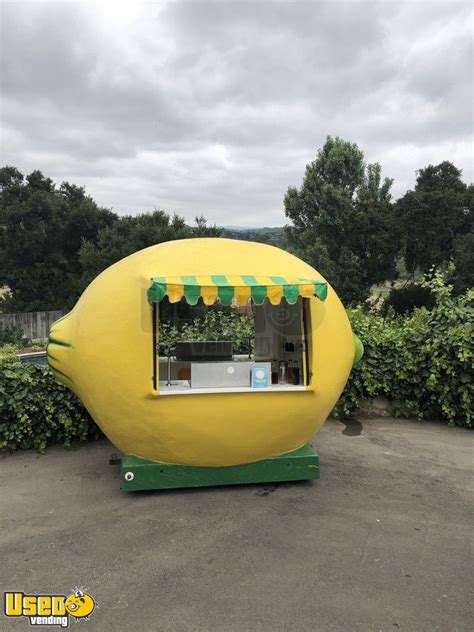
(202, 345)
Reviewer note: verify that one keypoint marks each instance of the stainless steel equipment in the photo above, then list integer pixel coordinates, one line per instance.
(223, 374)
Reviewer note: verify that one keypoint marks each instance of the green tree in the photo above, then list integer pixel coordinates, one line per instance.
(432, 215)
(41, 231)
(54, 240)
(463, 258)
(130, 234)
(343, 221)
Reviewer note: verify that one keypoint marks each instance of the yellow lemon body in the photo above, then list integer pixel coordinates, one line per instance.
(103, 351)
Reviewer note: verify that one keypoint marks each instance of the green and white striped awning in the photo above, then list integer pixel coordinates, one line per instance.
(225, 289)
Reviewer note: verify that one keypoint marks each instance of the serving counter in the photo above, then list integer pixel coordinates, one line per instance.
(183, 387)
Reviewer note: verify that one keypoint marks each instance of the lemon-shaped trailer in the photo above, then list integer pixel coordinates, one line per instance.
(204, 414)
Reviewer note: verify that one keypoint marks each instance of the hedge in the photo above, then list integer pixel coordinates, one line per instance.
(36, 410)
(423, 363)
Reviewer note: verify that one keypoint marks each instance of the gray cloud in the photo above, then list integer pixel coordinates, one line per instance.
(216, 107)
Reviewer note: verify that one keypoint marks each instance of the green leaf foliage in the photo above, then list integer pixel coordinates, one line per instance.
(130, 234)
(214, 324)
(463, 259)
(424, 363)
(41, 230)
(37, 411)
(343, 221)
(55, 240)
(405, 299)
(433, 215)
(11, 335)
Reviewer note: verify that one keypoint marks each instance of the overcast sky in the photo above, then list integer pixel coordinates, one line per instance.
(216, 107)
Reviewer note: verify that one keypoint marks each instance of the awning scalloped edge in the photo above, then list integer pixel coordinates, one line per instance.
(242, 288)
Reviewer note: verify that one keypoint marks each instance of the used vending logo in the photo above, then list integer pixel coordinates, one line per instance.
(49, 609)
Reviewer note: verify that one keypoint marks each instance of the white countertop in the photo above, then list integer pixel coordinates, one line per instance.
(183, 387)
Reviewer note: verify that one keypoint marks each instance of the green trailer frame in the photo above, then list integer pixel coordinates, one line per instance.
(139, 474)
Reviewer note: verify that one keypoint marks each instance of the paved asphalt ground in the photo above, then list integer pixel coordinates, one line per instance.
(381, 542)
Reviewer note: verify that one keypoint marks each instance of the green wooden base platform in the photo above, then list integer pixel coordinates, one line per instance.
(140, 474)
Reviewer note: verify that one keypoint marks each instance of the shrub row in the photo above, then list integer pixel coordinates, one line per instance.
(423, 363)
(36, 410)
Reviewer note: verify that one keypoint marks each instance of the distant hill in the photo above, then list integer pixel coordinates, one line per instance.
(274, 236)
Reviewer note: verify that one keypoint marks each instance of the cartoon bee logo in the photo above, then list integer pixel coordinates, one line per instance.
(79, 605)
